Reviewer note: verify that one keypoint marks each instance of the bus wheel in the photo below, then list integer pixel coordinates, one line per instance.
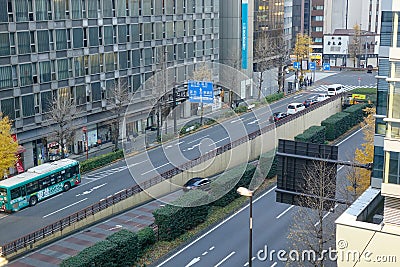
(66, 187)
(33, 201)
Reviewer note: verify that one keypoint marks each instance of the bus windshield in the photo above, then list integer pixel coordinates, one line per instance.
(3, 192)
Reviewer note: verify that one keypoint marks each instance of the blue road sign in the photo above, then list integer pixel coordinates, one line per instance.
(201, 92)
(327, 66)
(296, 65)
(312, 66)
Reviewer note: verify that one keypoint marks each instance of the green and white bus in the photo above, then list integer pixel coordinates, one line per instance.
(38, 183)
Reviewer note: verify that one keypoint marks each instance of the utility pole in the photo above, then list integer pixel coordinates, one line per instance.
(174, 109)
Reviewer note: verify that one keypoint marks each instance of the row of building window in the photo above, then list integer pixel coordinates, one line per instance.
(27, 42)
(43, 10)
(65, 68)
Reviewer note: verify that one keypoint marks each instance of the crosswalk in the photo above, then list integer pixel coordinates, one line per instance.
(324, 88)
(102, 174)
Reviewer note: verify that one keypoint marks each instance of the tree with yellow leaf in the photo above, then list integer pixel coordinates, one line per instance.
(360, 178)
(8, 147)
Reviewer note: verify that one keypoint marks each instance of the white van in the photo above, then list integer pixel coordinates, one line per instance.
(335, 89)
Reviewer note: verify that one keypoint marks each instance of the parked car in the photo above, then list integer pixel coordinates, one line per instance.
(197, 183)
(276, 116)
(322, 97)
(310, 101)
(294, 108)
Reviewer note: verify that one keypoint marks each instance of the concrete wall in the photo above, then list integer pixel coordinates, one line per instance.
(241, 154)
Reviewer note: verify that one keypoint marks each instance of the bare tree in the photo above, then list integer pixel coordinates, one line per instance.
(61, 119)
(117, 101)
(309, 231)
(270, 52)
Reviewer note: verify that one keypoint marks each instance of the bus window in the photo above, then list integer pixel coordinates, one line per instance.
(53, 179)
(32, 187)
(23, 191)
(15, 193)
(60, 176)
(44, 182)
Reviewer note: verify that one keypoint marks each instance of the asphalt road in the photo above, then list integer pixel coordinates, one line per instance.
(227, 243)
(116, 177)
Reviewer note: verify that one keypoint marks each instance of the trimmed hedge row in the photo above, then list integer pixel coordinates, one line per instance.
(274, 97)
(339, 123)
(314, 134)
(100, 161)
(174, 220)
(226, 184)
(336, 125)
(356, 112)
(119, 249)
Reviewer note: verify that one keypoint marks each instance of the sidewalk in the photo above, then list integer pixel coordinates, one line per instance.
(52, 255)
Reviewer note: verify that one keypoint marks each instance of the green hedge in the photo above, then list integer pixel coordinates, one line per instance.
(127, 249)
(336, 125)
(184, 214)
(146, 238)
(225, 184)
(241, 109)
(100, 254)
(100, 161)
(274, 97)
(314, 134)
(356, 112)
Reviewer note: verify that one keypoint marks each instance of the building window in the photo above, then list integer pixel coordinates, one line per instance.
(93, 36)
(43, 41)
(7, 108)
(5, 77)
(77, 37)
(80, 95)
(96, 92)
(76, 8)
(28, 106)
(108, 35)
(45, 71)
(21, 10)
(61, 39)
(317, 18)
(393, 168)
(378, 162)
(4, 44)
(122, 34)
(94, 63)
(386, 28)
(46, 101)
(62, 69)
(25, 73)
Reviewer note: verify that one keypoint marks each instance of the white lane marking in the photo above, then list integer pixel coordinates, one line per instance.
(273, 265)
(236, 120)
(252, 259)
(283, 213)
(246, 264)
(2, 217)
(193, 141)
(136, 163)
(91, 190)
(341, 167)
(204, 253)
(66, 207)
(298, 96)
(190, 148)
(253, 122)
(212, 248)
(192, 262)
(168, 146)
(326, 215)
(219, 141)
(155, 168)
(215, 227)
(225, 259)
(350, 136)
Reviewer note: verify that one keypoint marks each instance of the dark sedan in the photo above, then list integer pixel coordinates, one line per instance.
(277, 116)
(310, 101)
(197, 183)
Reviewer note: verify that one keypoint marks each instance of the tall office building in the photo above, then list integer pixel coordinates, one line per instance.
(81, 48)
(360, 227)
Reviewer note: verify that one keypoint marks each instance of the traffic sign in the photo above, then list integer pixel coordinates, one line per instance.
(201, 92)
(296, 65)
(358, 96)
(327, 66)
(312, 66)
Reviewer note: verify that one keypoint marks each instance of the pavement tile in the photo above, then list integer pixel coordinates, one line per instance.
(94, 234)
(79, 241)
(20, 264)
(62, 249)
(45, 258)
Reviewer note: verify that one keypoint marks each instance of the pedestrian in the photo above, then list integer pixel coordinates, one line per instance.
(311, 81)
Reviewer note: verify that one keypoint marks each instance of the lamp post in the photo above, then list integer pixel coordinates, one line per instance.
(247, 193)
(84, 129)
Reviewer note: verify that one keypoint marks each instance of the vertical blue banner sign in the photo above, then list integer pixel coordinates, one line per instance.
(201, 92)
(244, 33)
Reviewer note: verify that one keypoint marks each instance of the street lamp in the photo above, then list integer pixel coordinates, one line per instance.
(247, 193)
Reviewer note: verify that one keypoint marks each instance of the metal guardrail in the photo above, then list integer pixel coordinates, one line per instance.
(29, 239)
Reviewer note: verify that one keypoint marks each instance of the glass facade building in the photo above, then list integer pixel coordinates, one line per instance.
(82, 48)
